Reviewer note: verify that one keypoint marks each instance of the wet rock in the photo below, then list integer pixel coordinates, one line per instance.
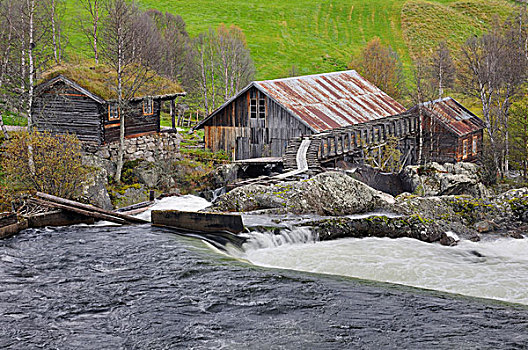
(382, 226)
(132, 195)
(330, 193)
(94, 189)
(225, 175)
(483, 226)
(148, 175)
(449, 179)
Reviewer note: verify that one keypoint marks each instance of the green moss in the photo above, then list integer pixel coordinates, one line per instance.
(99, 79)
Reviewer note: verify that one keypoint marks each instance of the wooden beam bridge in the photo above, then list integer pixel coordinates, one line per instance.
(355, 143)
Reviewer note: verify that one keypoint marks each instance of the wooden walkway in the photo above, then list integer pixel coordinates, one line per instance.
(356, 142)
(308, 155)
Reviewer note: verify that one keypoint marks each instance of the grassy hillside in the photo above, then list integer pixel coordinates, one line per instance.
(319, 36)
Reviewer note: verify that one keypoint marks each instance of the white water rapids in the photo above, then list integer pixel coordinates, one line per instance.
(495, 269)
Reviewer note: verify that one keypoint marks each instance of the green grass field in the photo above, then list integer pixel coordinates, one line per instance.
(319, 36)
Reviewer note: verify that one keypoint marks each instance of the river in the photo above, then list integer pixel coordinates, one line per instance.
(113, 287)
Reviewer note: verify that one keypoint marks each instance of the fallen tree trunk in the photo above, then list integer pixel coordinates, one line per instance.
(89, 208)
(93, 214)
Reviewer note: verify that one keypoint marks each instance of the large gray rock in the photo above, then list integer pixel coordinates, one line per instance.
(448, 179)
(225, 175)
(330, 193)
(97, 162)
(94, 189)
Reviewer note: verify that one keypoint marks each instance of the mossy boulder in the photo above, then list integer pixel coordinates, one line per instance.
(330, 193)
(448, 179)
(412, 226)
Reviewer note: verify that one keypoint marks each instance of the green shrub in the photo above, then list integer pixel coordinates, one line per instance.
(43, 162)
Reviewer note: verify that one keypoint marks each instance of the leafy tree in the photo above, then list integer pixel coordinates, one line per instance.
(224, 65)
(130, 46)
(25, 47)
(387, 157)
(493, 69)
(519, 135)
(380, 65)
(57, 166)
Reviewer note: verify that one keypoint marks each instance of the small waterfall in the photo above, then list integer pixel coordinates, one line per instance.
(217, 193)
(260, 240)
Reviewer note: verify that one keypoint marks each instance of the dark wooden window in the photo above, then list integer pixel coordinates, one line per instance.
(148, 106)
(474, 145)
(465, 148)
(113, 112)
(253, 108)
(262, 107)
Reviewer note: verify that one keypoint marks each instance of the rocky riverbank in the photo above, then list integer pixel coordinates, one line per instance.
(448, 202)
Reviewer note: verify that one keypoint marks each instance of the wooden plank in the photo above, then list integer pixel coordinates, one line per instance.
(13, 229)
(87, 207)
(58, 218)
(8, 219)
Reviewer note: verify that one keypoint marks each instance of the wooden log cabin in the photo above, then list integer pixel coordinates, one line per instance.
(451, 132)
(261, 119)
(64, 106)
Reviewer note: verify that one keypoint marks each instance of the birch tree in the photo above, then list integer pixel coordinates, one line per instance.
(130, 46)
(95, 10)
(26, 52)
(493, 69)
(223, 64)
(442, 69)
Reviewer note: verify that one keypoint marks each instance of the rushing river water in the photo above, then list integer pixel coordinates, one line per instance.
(147, 288)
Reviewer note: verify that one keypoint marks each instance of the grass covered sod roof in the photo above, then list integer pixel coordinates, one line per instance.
(101, 79)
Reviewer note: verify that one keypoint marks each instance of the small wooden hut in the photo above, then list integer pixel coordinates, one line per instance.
(62, 105)
(451, 132)
(261, 118)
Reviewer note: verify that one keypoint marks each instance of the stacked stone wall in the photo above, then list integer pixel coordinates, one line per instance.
(149, 148)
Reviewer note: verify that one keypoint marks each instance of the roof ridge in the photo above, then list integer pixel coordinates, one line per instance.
(307, 76)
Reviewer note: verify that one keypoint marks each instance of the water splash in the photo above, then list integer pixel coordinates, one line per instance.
(496, 270)
(184, 203)
(259, 240)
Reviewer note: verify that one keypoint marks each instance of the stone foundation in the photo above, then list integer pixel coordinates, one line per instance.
(149, 148)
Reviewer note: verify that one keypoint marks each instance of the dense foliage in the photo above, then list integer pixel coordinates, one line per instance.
(43, 162)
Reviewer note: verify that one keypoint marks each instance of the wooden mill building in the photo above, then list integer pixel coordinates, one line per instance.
(261, 118)
(451, 132)
(62, 105)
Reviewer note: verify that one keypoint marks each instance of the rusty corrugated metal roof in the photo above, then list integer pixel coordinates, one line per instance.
(454, 116)
(331, 100)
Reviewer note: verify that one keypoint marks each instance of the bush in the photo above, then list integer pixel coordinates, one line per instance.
(43, 162)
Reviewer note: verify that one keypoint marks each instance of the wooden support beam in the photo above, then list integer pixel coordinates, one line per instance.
(173, 113)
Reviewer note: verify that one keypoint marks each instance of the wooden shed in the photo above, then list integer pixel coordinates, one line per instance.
(64, 106)
(261, 118)
(451, 132)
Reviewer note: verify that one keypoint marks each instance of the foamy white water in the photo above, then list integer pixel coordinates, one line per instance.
(496, 270)
(184, 203)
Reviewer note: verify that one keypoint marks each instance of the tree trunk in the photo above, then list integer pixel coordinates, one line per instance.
(54, 32)
(4, 131)
(95, 25)
(420, 134)
(31, 8)
(121, 150)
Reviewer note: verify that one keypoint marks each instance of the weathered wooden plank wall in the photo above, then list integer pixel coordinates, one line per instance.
(63, 109)
(233, 128)
(135, 122)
